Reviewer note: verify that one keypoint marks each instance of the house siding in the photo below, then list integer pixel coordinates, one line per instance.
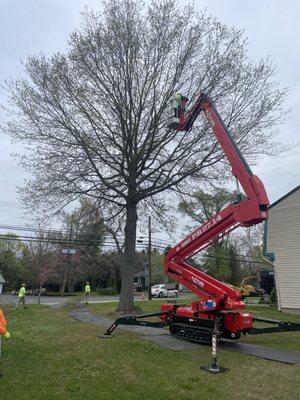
(283, 239)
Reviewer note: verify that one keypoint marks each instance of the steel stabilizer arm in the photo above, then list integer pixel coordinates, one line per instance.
(279, 326)
(136, 320)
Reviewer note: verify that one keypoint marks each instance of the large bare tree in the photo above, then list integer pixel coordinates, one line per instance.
(95, 117)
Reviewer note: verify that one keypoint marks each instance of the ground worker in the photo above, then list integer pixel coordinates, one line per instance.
(21, 296)
(87, 291)
(3, 330)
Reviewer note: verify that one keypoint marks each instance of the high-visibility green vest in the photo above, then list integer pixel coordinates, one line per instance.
(87, 289)
(178, 97)
(22, 292)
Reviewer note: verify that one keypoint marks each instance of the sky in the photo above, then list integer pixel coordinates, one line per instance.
(271, 26)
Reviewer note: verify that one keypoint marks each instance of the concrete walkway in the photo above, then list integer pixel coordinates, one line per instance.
(162, 338)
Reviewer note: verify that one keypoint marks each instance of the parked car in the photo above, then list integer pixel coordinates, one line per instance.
(163, 291)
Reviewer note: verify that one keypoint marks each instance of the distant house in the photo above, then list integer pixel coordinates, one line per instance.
(2, 281)
(141, 281)
(282, 245)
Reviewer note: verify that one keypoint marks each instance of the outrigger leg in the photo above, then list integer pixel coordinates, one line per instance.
(214, 367)
(135, 320)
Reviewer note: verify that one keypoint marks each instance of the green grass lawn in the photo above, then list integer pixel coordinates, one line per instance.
(52, 356)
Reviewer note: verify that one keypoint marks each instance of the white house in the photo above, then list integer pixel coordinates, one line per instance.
(2, 281)
(282, 244)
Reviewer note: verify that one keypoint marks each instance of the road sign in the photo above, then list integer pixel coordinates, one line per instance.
(68, 251)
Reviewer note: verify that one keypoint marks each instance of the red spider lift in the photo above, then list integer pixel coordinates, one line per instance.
(217, 299)
(218, 312)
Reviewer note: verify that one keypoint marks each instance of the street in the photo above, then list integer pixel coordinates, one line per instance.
(58, 300)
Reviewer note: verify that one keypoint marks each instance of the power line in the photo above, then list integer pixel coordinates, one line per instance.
(28, 229)
(140, 239)
(108, 241)
(60, 241)
(236, 259)
(106, 244)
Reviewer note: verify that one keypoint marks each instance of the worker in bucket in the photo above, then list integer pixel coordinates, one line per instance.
(21, 296)
(177, 104)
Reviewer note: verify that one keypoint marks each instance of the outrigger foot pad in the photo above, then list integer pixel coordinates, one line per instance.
(104, 335)
(213, 369)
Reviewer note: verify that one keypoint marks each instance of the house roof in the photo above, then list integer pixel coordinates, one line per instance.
(285, 196)
(2, 279)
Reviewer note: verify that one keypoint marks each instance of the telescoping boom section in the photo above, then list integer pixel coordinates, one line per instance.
(216, 296)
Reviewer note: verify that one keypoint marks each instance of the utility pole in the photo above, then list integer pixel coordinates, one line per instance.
(68, 264)
(250, 251)
(149, 260)
(40, 263)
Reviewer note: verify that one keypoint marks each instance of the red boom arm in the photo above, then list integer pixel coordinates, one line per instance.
(250, 211)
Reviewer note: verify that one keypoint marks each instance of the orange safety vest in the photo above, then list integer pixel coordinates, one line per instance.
(3, 323)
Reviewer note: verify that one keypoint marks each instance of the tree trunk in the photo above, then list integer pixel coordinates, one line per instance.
(118, 280)
(126, 297)
(71, 285)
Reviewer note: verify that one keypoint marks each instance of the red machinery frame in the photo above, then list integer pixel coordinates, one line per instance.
(216, 296)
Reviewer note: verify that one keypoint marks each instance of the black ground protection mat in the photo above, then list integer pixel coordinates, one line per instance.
(162, 338)
(269, 353)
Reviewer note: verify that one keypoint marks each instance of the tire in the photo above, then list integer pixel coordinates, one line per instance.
(161, 295)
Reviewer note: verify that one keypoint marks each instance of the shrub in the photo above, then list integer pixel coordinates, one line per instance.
(107, 291)
(273, 296)
(261, 301)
